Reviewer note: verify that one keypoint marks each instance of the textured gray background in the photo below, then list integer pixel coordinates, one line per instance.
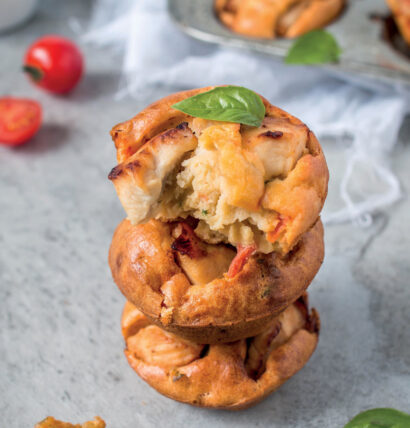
(60, 341)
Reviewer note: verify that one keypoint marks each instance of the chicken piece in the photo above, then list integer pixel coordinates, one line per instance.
(278, 333)
(158, 347)
(278, 143)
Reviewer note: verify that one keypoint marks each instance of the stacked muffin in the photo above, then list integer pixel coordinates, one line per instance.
(222, 239)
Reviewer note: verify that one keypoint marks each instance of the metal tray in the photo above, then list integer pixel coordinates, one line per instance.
(365, 52)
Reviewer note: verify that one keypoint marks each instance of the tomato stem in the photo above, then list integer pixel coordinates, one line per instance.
(35, 73)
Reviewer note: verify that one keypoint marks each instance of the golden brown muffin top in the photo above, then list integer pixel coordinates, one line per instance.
(260, 187)
(401, 13)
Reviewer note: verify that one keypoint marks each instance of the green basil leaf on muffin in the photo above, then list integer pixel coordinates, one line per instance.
(226, 104)
(315, 47)
(376, 418)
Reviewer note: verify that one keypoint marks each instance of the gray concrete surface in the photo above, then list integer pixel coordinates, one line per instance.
(60, 341)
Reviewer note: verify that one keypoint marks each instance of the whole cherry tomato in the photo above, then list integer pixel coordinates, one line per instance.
(54, 63)
(20, 119)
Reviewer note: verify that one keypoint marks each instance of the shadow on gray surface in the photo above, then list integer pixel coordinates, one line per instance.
(49, 137)
(389, 312)
(405, 131)
(96, 85)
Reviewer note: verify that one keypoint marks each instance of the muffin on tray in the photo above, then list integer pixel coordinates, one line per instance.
(401, 14)
(277, 18)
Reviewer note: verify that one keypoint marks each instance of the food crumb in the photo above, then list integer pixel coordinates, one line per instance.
(51, 422)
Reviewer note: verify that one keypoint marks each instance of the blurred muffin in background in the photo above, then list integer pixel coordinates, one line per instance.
(277, 18)
(401, 14)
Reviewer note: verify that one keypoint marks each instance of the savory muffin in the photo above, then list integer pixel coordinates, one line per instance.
(202, 291)
(259, 187)
(401, 14)
(223, 228)
(277, 18)
(230, 375)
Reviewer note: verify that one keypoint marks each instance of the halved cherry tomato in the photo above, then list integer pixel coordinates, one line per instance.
(20, 119)
(54, 63)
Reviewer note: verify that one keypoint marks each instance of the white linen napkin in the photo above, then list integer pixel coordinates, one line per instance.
(363, 117)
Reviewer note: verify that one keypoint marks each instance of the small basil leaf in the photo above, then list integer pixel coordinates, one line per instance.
(380, 418)
(315, 47)
(225, 104)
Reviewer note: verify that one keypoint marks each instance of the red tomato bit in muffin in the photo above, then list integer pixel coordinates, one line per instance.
(187, 243)
(280, 227)
(242, 256)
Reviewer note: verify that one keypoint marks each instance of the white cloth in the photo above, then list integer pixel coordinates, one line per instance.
(363, 116)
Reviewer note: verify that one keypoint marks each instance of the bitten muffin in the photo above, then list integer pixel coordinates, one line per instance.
(231, 375)
(223, 228)
(197, 290)
(401, 14)
(277, 18)
(260, 187)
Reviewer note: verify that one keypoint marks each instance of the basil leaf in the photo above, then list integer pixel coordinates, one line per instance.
(315, 47)
(225, 104)
(380, 418)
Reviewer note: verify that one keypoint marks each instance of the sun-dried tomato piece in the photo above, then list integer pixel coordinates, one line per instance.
(274, 234)
(187, 243)
(242, 256)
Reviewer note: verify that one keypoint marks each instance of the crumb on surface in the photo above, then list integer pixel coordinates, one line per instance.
(51, 422)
